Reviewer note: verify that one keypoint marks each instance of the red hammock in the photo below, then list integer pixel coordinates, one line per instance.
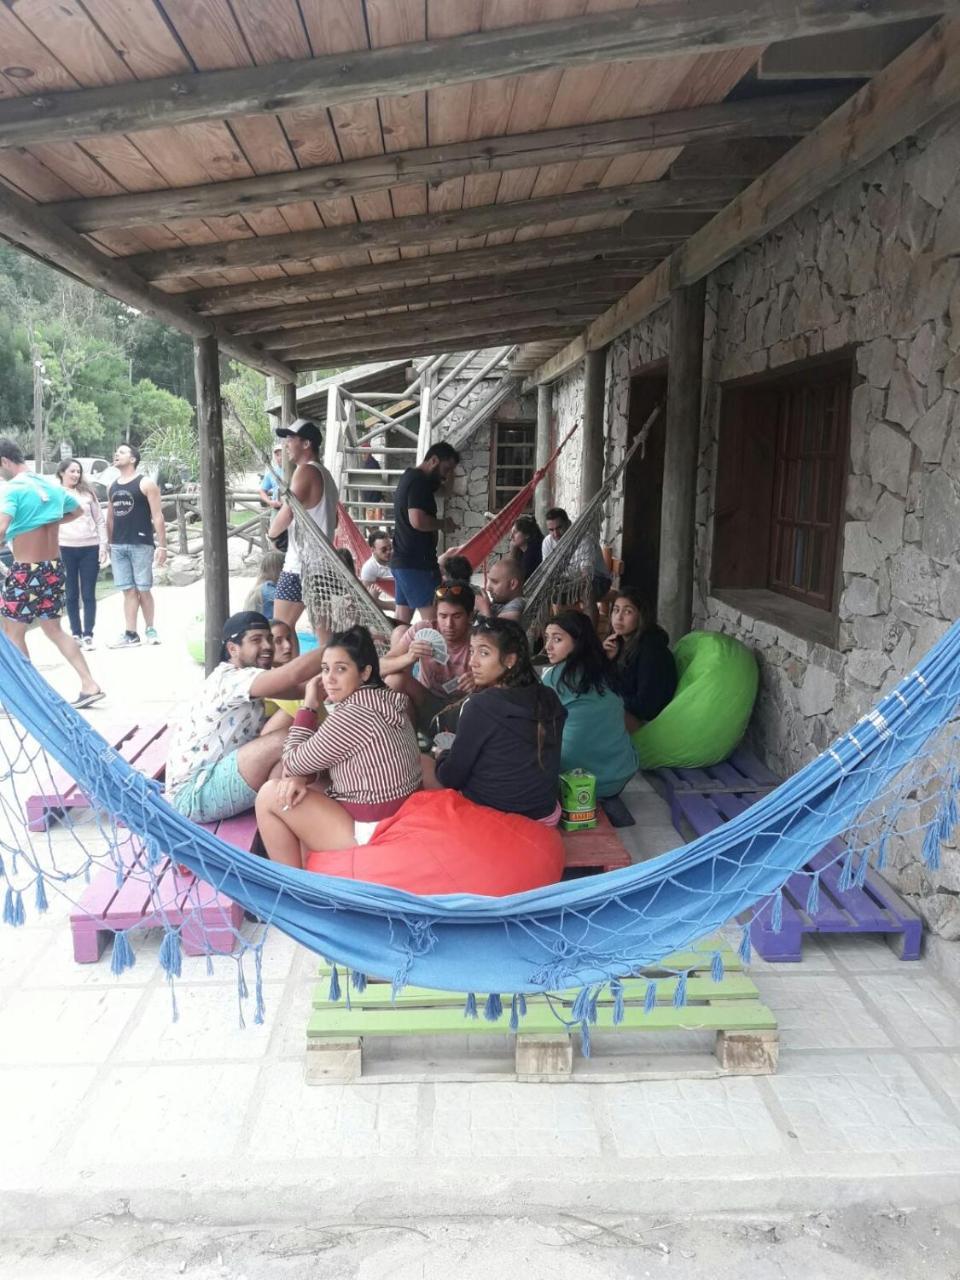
(483, 541)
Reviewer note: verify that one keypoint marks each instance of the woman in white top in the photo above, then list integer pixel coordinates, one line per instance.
(83, 550)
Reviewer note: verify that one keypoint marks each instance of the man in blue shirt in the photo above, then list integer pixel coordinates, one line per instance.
(32, 508)
(269, 487)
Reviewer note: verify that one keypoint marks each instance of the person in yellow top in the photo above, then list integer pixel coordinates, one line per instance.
(286, 647)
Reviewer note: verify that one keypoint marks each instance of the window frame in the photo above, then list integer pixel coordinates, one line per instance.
(502, 425)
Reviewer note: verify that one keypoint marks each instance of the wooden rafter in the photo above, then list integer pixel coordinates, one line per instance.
(655, 29)
(40, 233)
(790, 115)
(917, 87)
(613, 246)
(357, 353)
(585, 278)
(388, 233)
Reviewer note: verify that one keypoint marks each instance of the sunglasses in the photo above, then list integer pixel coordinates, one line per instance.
(456, 590)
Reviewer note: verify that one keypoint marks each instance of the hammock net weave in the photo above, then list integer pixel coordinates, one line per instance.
(888, 788)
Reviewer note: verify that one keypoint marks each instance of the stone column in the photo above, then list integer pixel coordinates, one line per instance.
(591, 473)
(541, 500)
(678, 511)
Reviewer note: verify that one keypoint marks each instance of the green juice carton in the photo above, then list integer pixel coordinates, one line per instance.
(578, 800)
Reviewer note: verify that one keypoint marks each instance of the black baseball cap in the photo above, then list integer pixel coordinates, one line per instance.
(237, 626)
(306, 429)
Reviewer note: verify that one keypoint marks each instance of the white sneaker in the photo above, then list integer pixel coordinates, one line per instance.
(88, 643)
(150, 635)
(124, 641)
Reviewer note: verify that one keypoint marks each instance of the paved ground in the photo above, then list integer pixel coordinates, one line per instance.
(123, 1130)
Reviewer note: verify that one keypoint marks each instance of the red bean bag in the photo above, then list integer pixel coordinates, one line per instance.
(440, 842)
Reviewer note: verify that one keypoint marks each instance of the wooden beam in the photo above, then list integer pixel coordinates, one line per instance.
(359, 353)
(791, 114)
(501, 327)
(591, 429)
(583, 278)
(916, 88)
(422, 228)
(571, 299)
(213, 502)
(656, 29)
(44, 236)
(612, 247)
(679, 488)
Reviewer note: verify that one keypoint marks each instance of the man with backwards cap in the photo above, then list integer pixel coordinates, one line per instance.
(314, 486)
(222, 746)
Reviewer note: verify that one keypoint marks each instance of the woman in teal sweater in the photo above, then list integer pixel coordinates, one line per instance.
(594, 734)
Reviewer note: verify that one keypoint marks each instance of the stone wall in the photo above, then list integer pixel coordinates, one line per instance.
(867, 271)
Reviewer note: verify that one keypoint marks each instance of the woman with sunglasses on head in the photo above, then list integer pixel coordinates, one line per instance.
(641, 651)
(506, 754)
(365, 751)
(594, 736)
(83, 550)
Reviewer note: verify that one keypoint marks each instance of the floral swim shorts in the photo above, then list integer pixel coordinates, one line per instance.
(32, 591)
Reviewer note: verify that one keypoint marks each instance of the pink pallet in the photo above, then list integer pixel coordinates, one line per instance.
(142, 746)
(598, 847)
(209, 920)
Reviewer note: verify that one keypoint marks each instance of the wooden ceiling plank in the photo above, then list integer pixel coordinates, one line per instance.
(610, 245)
(359, 352)
(516, 157)
(429, 228)
(916, 88)
(655, 30)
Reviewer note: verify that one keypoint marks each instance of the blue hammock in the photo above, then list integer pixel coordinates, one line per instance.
(574, 934)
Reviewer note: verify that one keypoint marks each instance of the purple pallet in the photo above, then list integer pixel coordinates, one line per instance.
(704, 799)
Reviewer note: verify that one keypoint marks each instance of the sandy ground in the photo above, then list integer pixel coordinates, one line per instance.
(849, 1245)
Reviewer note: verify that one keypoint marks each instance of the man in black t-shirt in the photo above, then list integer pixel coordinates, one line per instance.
(416, 573)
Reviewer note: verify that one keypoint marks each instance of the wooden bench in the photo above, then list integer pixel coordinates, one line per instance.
(746, 1040)
(598, 848)
(143, 746)
(209, 919)
(703, 799)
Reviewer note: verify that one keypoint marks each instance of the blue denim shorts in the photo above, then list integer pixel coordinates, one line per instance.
(222, 793)
(415, 588)
(132, 567)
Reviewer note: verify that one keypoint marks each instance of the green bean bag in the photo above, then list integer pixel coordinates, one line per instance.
(709, 713)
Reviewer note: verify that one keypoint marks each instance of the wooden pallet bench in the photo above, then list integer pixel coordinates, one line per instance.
(209, 919)
(703, 799)
(599, 848)
(143, 746)
(746, 1040)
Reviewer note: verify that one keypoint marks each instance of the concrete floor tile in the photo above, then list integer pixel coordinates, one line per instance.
(64, 1025)
(864, 953)
(294, 1122)
(39, 1107)
(150, 1114)
(207, 1028)
(860, 1104)
(690, 1117)
(918, 1008)
(819, 1012)
(513, 1120)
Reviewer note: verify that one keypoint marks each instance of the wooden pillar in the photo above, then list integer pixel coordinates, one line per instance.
(288, 414)
(213, 481)
(541, 501)
(591, 458)
(678, 510)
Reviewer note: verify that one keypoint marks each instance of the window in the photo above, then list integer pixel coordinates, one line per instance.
(781, 476)
(515, 448)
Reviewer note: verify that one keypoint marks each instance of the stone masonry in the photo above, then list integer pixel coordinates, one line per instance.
(870, 270)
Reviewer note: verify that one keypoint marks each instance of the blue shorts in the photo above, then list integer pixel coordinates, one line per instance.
(222, 793)
(415, 588)
(289, 587)
(132, 567)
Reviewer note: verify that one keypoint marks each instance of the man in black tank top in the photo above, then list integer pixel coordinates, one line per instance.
(138, 539)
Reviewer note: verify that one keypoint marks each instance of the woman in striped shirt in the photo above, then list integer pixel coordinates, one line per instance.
(365, 754)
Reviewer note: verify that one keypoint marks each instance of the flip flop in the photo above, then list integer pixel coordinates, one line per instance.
(87, 699)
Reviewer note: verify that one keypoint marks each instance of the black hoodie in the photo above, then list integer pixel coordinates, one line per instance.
(500, 757)
(648, 674)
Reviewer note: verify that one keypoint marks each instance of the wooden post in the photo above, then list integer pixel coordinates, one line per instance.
(678, 512)
(591, 469)
(541, 500)
(288, 414)
(216, 586)
(182, 525)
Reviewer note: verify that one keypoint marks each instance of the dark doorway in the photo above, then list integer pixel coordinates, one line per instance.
(643, 483)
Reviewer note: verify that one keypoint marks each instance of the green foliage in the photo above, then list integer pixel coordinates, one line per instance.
(243, 396)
